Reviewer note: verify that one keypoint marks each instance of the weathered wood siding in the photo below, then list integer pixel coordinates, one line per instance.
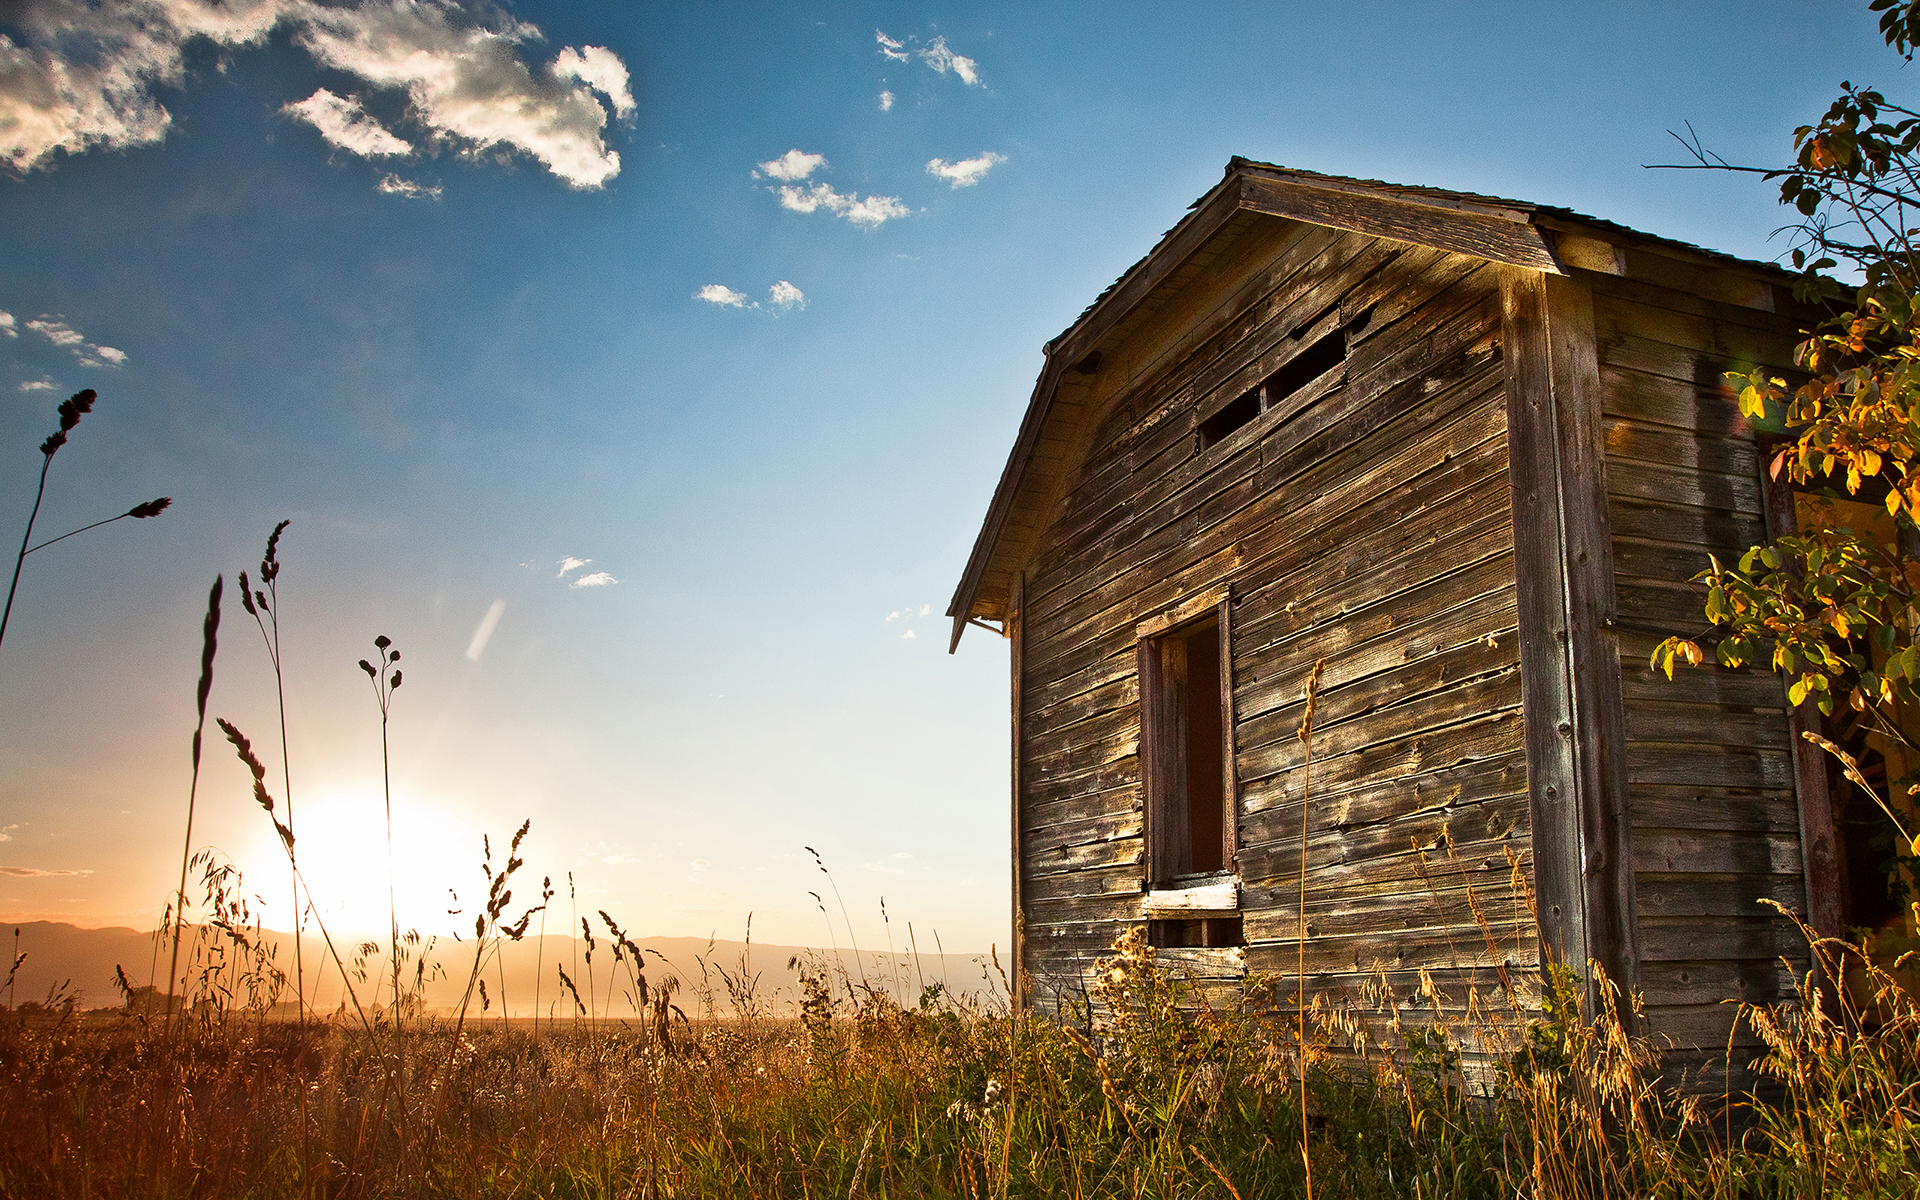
(1366, 522)
(1715, 825)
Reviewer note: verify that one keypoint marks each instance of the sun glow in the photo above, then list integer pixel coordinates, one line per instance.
(341, 843)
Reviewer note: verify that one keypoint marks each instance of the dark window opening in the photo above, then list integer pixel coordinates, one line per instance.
(1185, 715)
(1871, 889)
(1294, 375)
(1205, 931)
(1230, 418)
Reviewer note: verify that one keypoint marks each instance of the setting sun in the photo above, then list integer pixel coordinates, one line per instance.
(341, 842)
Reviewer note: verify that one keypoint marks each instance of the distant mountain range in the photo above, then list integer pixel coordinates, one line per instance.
(67, 961)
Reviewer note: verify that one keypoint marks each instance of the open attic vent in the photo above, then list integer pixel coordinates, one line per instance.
(1306, 367)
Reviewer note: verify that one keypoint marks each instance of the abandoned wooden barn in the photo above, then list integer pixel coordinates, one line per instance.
(1469, 452)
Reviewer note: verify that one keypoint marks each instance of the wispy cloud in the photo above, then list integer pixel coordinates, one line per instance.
(936, 54)
(37, 873)
(570, 563)
(793, 165)
(393, 185)
(344, 124)
(941, 59)
(721, 294)
(886, 101)
(58, 332)
(483, 633)
(8, 325)
(906, 616)
(882, 869)
(966, 172)
(871, 211)
(597, 579)
(85, 76)
(784, 295)
(67, 337)
(37, 385)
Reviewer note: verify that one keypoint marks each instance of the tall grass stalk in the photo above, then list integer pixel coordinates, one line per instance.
(139, 512)
(263, 605)
(209, 644)
(71, 410)
(386, 681)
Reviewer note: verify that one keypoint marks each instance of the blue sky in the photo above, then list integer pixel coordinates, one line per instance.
(374, 266)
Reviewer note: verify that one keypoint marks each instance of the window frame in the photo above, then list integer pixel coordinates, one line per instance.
(1162, 749)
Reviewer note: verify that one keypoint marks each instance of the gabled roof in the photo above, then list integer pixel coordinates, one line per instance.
(1533, 236)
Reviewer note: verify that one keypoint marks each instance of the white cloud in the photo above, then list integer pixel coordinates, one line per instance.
(966, 172)
(67, 337)
(37, 385)
(784, 295)
(721, 294)
(936, 54)
(58, 332)
(7, 324)
(925, 609)
(882, 869)
(793, 165)
(597, 579)
(600, 69)
(886, 101)
(393, 185)
(940, 58)
(570, 563)
(6, 834)
(467, 85)
(870, 212)
(909, 634)
(483, 632)
(345, 125)
(892, 616)
(84, 75)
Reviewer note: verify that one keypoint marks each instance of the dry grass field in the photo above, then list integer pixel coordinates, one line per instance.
(1139, 1091)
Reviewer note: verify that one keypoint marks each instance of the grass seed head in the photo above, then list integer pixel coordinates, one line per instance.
(270, 562)
(71, 410)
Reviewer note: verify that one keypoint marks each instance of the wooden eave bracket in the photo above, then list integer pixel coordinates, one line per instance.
(1497, 234)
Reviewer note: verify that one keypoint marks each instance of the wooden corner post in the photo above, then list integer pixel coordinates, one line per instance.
(1014, 624)
(1819, 840)
(1569, 652)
